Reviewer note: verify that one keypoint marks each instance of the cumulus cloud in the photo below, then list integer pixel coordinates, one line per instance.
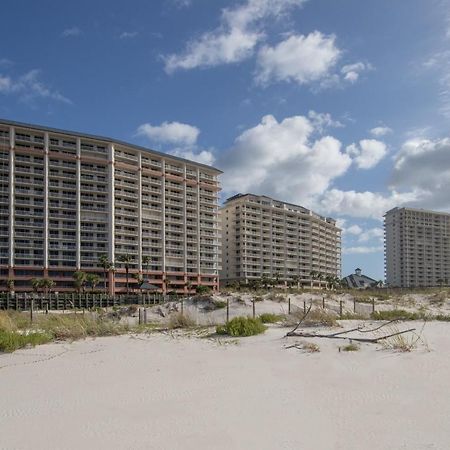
(424, 165)
(363, 204)
(322, 121)
(29, 87)
(201, 156)
(351, 72)
(182, 135)
(71, 32)
(300, 59)
(380, 131)
(368, 153)
(170, 132)
(236, 37)
(354, 229)
(280, 159)
(372, 233)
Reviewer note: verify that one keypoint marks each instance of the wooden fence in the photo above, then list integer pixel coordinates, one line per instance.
(24, 302)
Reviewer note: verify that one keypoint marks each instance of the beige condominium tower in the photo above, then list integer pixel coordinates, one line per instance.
(67, 198)
(263, 237)
(417, 248)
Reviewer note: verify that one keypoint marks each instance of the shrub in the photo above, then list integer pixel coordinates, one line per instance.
(270, 318)
(202, 289)
(258, 298)
(242, 326)
(11, 340)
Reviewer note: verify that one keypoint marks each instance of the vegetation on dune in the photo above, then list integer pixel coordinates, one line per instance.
(350, 347)
(13, 340)
(270, 318)
(242, 326)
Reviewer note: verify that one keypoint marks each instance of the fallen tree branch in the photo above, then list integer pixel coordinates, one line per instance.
(339, 336)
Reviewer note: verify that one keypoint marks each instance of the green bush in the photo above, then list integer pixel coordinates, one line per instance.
(10, 340)
(203, 289)
(242, 326)
(270, 318)
(350, 348)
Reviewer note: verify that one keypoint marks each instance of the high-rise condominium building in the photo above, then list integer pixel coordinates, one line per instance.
(67, 198)
(417, 247)
(262, 237)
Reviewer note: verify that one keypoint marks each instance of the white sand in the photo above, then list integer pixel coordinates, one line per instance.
(156, 392)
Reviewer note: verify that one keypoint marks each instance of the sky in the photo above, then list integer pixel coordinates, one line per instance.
(342, 106)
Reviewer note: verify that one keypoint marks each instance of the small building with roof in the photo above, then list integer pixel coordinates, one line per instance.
(359, 281)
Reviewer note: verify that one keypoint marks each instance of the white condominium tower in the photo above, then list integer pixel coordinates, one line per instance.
(417, 248)
(67, 198)
(262, 237)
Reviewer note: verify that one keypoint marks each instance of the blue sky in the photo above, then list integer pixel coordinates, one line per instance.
(340, 106)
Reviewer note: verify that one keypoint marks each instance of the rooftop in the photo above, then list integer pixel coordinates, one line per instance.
(103, 139)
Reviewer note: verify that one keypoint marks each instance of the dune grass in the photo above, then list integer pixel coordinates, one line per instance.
(270, 318)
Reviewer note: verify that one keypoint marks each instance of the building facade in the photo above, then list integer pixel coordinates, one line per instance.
(67, 198)
(417, 248)
(263, 237)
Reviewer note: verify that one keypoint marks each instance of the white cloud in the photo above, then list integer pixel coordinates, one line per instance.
(128, 34)
(351, 72)
(202, 156)
(380, 131)
(368, 153)
(170, 132)
(71, 32)
(354, 229)
(5, 84)
(363, 204)
(372, 233)
(234, 40)
(300, 59)
(361, 250)
(323, 121)
(29, 87)
(278, 159)
(424, 165)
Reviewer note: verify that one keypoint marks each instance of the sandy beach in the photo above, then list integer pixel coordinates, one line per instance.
(169, 391)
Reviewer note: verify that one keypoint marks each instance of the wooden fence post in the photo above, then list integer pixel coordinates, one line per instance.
(31, 309)
(304, 307)
(323, 302)
(254, 310)
(373, 305)
(340, 308)
(228, 309)
(182, 305)
(289, 305)
(354, 305)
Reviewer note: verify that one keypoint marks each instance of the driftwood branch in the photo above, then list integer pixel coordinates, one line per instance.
(339, 336)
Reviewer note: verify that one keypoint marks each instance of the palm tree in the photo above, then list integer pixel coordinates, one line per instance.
(146, 260)
(92, 279)
(10, 285)
(107, 265)
(126, 259)
(36, 283)
(313, 274)
(48, 285)
(139, 278)
(79, 280)
(320, 278)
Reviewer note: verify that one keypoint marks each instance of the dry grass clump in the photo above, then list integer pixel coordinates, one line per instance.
(438, 298)
(179, 320)
(270, 318)
(316, 317)
(403, 342)
(309, 347)
(350, 347)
